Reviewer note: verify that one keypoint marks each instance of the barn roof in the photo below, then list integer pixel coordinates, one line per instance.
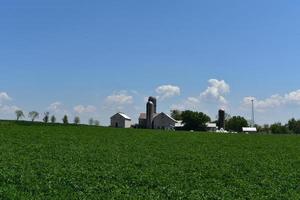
(165, 115)
(249, 129)
(123, 115)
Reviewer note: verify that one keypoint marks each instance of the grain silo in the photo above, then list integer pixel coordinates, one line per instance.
(221, 121)
(154, 101)
(149, 114)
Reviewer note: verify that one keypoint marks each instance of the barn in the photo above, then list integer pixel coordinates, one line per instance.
(120, 120)
(163, 121)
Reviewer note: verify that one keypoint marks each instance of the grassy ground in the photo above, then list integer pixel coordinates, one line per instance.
(81, 162)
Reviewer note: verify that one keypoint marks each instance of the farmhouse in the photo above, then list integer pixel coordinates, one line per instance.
(120, 120)
(153, 120)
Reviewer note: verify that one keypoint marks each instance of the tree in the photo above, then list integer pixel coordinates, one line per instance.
(46, 117)
(97, 123)
(236, 123)
(176, 114)
(65, 119)
(91, 121)
(294, 126)
(278, 128)
(76, 120)
(194, 120)
(33, 115)
(19, 114)
(53, 119)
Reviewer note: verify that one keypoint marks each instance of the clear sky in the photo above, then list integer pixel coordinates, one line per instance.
(94, 58)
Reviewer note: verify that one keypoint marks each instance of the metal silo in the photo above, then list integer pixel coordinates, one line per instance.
(221, 121)
(154, 101)
(150, 114)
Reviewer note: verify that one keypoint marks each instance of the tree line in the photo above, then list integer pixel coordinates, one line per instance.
(197, 121)
(33, 115)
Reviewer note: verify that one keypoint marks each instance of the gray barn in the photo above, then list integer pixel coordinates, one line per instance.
(164, 121)
(120, 120)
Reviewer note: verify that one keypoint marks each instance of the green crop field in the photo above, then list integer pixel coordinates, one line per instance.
(81, 162)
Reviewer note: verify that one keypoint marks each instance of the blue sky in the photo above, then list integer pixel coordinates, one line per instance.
(98, 57)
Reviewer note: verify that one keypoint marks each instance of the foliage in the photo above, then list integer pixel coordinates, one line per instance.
(278, 128)
(33, 115)
(53, 119)
(65, 120)
(176, 114)
(53, 161)
(294, 126)
(194, 120)
(76, 120)
(236, 123)
(19, 114)
(46, 117)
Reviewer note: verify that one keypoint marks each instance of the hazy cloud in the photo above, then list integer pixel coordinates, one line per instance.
(167, 91)
(119, 98)
(4, 97)
(292, 98)
(85, 109)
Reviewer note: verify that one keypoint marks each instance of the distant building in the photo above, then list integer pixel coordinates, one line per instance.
(163, 121)
(153, 120)
(211, 127)
(120, 120)
(249, 129)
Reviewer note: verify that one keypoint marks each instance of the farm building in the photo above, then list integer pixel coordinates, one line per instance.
(249, 129)
(120, 120)
(212, 127)
(153, 120)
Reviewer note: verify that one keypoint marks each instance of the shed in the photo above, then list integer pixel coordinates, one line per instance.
(120, 120)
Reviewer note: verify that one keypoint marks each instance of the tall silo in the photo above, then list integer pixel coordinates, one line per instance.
(150, 114)
(221, 121)
(154, 101)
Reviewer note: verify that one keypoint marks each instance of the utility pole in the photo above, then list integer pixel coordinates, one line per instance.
(253, 122)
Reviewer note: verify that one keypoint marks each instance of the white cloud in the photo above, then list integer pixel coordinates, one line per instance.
(4, 97)
(85, 109)
(167, 91)
(56, 106)
(120, 98)
(216, 91)
(8, 109)
(273, 101)
(191, 103)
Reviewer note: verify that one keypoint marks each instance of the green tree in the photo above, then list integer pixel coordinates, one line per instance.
(278, 128)
(65, 119)
(33, 115)
(236, 123)
(176, 114)
(76, 120)
(19, 114)
(46, 117)
(294, 126)
(53, 119)
(194, 120)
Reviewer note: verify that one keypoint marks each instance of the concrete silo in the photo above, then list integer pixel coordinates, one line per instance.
(149, 114)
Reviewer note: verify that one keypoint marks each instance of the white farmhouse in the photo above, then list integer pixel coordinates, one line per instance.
(120, 120)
